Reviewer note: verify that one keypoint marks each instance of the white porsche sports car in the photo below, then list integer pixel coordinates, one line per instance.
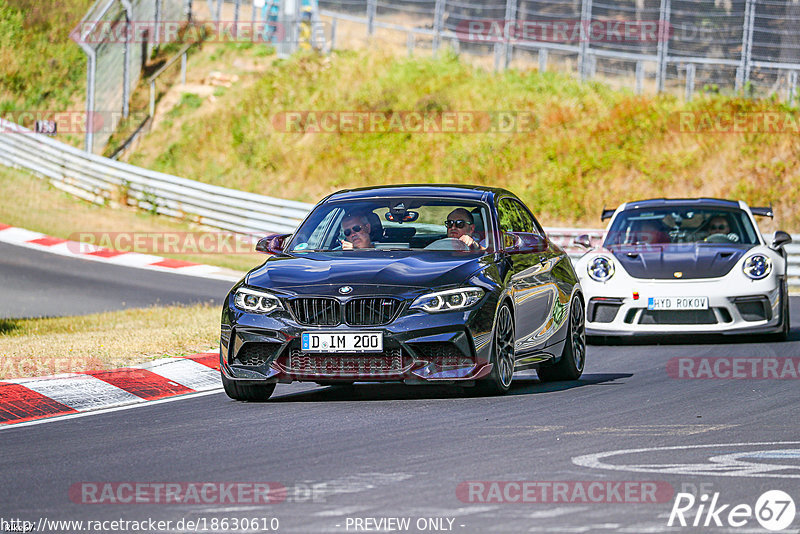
(679, 266)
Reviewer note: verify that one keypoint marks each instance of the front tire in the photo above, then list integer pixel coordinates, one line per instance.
(247, 392)
(573, 358)
(503, 357)
(783, 335)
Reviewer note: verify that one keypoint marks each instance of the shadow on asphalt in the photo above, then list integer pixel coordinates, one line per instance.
(693, 339)
(397, 391)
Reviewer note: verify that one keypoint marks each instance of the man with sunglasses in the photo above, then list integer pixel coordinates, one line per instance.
(356, 232)
(719, 225)
(461, 225)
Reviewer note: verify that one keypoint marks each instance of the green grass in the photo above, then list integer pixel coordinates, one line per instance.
(40, 67)
(592, 146)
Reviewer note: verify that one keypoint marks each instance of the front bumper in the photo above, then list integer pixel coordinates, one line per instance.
(451, 347)
(747, 308)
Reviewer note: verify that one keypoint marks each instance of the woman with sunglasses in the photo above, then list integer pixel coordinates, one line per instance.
(356, 232)
(461, 225)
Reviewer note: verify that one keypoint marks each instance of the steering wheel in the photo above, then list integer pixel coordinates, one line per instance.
(722, 238)
(448, 243)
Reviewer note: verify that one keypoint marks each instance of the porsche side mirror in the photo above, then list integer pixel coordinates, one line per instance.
(272, 244)
(780, 239)
(524, 243)
(583, 240)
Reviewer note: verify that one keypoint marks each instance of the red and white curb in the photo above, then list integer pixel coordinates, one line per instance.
(28, 399)
(65, 247)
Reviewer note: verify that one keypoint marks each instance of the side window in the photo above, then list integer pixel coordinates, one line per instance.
(513, 217)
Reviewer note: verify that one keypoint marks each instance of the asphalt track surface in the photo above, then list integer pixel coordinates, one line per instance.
(42, 284)
(381, 451)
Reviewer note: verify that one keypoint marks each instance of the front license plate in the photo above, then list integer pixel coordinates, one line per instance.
(342, 342)
(677, 303)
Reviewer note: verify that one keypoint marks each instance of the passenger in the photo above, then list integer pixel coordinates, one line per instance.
(461, 225)
(652, 233)
(356, 228)
(719, 225)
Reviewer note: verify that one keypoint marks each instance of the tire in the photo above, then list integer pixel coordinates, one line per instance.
(499, 380)
(573, 357)
(783, 335)
(247, 392)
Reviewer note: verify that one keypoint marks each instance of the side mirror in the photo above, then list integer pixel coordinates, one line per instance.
(781, 238)
(583, 240)
(524, 243)
(272, 244)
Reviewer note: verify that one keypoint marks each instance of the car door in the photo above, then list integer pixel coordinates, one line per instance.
(529, 279)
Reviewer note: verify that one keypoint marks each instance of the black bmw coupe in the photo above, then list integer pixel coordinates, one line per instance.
(420, 284)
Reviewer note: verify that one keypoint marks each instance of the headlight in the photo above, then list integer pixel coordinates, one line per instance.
(757, 266)
(452, 299)
(600, 269)
(254, 301)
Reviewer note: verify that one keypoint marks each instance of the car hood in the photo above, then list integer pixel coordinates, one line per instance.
(393, 271)
(692, 260)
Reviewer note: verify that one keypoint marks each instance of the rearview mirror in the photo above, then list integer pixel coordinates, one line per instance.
(583, 240)
(272, 244)
(524, 243)
(780, 239)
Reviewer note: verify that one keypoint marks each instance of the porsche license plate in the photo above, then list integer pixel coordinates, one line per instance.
(342, 342)
(677, 303)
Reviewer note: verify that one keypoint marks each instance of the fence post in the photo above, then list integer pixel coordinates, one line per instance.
(639, 77)
(743, 73)
(690, 68)
(663, 43)
(372, 7)
(333, 33)
(187, 10)
(792, 95)
(91, 76)
(152, 98)
(438, 22)
(126, 59)
(410, 42)
(236, 7)
(542, 60)
(510, 26)
(183, 68)
(583, 50)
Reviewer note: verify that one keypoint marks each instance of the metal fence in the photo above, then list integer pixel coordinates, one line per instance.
(698, 45)
(118, 37)
(102, 180)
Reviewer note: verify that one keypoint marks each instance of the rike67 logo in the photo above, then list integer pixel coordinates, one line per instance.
(774, 510)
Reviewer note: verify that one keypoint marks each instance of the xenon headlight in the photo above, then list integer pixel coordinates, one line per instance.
(253, 301)
(600, 269)
(757, 266)
(449, 300)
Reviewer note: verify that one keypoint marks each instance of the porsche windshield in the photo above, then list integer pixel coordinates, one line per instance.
(668, 225)
(395, 224)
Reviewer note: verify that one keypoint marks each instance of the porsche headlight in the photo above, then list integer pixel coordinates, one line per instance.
(254, 301)
(600, 269)
(449, 300)
(757, 266)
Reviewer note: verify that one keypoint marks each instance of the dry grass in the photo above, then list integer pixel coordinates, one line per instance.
(32, 203)
(37, 347)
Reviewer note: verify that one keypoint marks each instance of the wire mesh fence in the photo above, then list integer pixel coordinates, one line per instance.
(684, 46)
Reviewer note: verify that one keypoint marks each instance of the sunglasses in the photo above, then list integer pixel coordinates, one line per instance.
(458, 224)
(353, 230)
(719, 226)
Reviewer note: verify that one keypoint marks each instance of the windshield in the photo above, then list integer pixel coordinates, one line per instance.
(668, 225)
(395, 224)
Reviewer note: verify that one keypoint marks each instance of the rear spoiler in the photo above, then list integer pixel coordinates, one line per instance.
(763, 212)
(608, 213)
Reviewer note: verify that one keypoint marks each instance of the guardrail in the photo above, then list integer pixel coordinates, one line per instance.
(101, 180)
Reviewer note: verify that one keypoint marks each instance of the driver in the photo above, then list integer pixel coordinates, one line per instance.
(719, 225)
(461, 225)
(356, 228)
